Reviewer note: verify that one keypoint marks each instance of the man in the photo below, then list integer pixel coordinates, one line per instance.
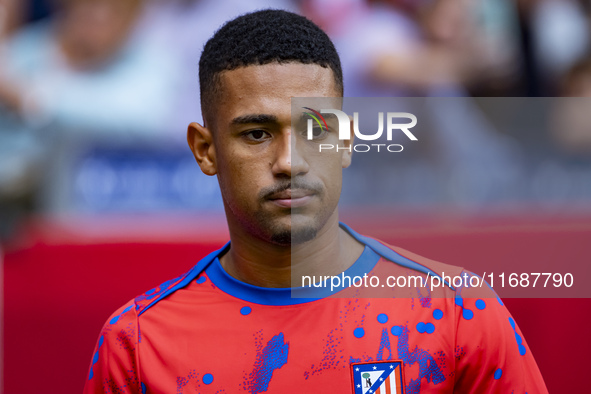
(231, 324)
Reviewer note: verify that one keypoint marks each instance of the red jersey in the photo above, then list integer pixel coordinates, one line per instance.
(206, 332)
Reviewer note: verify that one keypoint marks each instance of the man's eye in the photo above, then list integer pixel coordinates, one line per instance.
(257, 135)
(318, 132)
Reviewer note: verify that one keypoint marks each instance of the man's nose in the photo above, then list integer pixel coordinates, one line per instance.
(289, 160)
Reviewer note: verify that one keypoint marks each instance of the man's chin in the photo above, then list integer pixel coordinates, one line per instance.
(294, 237)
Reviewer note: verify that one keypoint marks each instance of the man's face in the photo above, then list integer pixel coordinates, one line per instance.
(275, 183)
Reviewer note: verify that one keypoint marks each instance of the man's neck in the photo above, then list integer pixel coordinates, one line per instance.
(261, 263)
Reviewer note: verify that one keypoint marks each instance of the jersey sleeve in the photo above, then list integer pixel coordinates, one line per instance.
(492, 355)
(114, 365)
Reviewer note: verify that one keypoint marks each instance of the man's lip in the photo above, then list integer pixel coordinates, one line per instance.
(292, 198)
(291, 194)
(293, 202)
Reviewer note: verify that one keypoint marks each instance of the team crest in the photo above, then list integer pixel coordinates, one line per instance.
(381, 377)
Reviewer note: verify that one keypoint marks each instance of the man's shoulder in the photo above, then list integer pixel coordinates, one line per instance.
(130, 313)
(434, 265)
(144, 301)
(147, 300)
(403, 257)
(435, 274)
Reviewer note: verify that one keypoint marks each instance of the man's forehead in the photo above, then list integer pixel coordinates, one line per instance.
(307, 80)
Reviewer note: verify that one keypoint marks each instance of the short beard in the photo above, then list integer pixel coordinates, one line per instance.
(300, 236)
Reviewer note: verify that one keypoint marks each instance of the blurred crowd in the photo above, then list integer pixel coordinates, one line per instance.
(95, 96)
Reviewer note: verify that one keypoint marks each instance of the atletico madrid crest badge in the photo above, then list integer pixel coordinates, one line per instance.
(380, 377)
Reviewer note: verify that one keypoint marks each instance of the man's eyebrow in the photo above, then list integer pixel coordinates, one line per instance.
(254, 118)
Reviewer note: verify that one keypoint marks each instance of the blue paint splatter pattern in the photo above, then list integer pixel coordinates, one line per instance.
(428, 367)
(334, 352)
(268, 359)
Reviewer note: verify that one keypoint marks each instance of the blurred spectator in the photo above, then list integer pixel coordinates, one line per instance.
(555, 34)
(82, 70)
(476, 42)
(442, 47)
(561, 37)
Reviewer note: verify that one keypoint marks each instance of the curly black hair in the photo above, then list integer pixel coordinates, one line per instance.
(263, 37)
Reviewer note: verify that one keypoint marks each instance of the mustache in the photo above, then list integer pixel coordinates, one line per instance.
(293, 184)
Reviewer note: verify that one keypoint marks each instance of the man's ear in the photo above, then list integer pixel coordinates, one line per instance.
(347, 156)
(200, 141)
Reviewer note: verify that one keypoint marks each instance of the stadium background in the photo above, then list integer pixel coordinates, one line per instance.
(100, 200)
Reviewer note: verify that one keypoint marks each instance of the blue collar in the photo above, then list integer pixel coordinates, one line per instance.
(271, 296)
(287, 296)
